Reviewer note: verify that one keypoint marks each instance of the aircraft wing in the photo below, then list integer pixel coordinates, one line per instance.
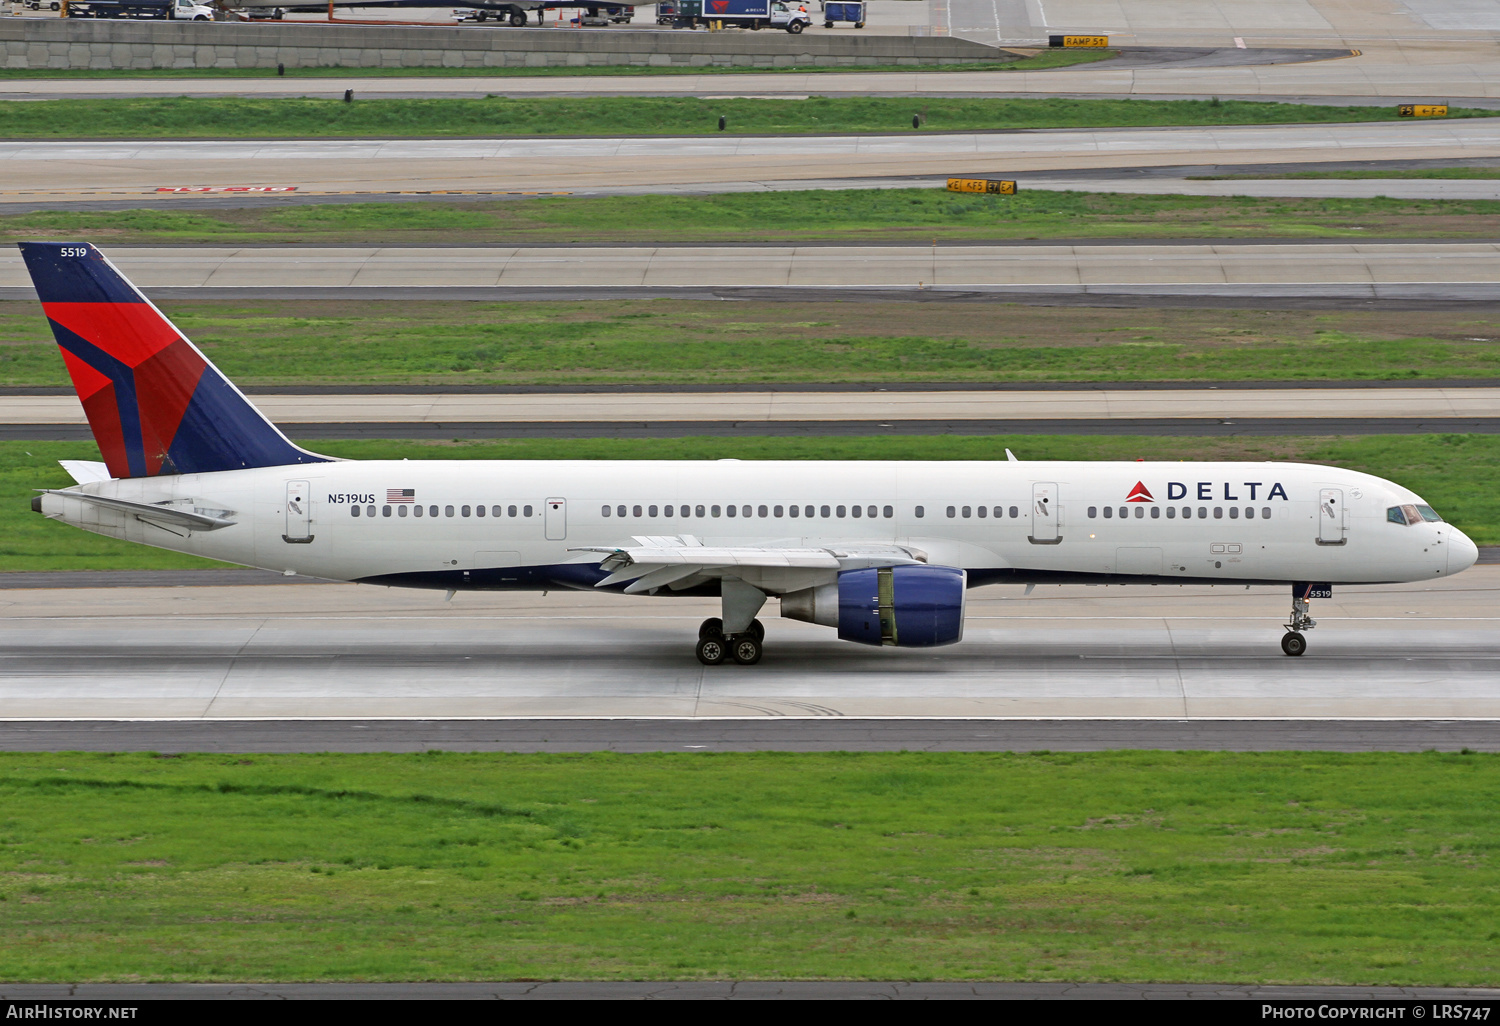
(195, 519)
(660, 562)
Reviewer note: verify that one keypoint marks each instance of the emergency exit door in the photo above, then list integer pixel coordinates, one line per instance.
(556, 514)
(1332, 521)
(298, 513)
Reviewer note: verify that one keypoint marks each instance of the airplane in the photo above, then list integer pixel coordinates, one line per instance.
(513, 10)
(884, 552)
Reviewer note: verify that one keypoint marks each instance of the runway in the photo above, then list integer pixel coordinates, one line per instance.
(1427, 651)
(98, 169)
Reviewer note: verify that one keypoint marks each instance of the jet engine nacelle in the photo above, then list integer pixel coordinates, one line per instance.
(911, 606)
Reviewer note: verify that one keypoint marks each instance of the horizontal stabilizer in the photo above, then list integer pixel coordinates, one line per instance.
(204, 520)
(85, 471)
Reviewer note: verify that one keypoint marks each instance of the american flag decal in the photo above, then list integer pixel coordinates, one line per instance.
(400, 495)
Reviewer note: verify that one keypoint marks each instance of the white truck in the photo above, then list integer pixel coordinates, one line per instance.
(177, 10)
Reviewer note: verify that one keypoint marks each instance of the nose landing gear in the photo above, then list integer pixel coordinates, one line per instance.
(1292, 642)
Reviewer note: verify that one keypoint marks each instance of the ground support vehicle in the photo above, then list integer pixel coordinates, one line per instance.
(750, 14)
(177, 10)
(851, 12)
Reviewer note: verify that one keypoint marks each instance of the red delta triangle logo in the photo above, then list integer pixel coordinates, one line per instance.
(1140, 493)
(720, 6)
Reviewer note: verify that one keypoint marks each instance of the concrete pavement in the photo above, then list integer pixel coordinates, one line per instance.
(1420, 651)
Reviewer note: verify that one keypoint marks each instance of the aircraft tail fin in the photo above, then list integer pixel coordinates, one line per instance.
(155, 403)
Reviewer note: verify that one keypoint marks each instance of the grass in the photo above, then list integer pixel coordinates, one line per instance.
(1043, 61)
(1297, 868)
(1458, 474)
(855, 216)
(680, 342)
(1424, 172)
(245, 117)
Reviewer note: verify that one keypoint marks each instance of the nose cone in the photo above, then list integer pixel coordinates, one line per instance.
(1462, 553)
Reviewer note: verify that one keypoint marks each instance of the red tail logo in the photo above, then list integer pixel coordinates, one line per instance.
(719, 6)
(1140, 493)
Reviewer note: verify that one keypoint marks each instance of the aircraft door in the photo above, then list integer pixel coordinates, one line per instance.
(556, 513)
(298, 513)
(1332, 520)
(1044, 514)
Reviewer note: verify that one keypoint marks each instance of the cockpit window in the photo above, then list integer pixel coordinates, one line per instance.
(1396, 515)
(1429, 514)
(1412, 515)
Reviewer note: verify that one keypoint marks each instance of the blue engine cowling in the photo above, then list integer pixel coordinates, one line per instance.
(914, 606)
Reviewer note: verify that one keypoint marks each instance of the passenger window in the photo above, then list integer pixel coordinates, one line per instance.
(1265, 512)
(604, 510)
(732, 511)
(807, 511)
(651, 511)
(1014, 512)
(510, 511)
(635, 511)
(1171, 512)
(355, 510)
(952, 512)
(826, 512)
(777, 512)
(1124, 512)
(793, 510)
(870, 512)
(1234, 512)
(1140, 512)
(400, 511)
(716, 511)
(432, 511)
(385, 511)
(1109, 512)
(465, 511)
(525, 511)
(1202, 512)
(620, 511)
(840, 511)
(447, 511)
(1155, 512)
(666, 511)
(968, 512)
(983, 511)
(888, 512)
(416, 511)
(744, 511)
(369, 511)
(1249, 512)
(1218, 512)
(698, 512)
(479, 511)
(762, 511)
(855, 512)
(920, 512)
(1093, 512)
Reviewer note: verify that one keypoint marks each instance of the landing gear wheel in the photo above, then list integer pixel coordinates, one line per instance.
(712, 650)
(713, 627)
(758, 629)
(1293, 644)
(746, 649)
(518, 19)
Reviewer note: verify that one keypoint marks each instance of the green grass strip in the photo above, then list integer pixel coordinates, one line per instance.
(1297, 868)
(244, 117)
(1457, 474)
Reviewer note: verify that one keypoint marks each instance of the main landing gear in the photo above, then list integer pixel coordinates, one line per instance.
(738, 635)
(1292, 642)
(714, 648)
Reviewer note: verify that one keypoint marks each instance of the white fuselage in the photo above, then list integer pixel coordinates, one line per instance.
(1021, 521)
